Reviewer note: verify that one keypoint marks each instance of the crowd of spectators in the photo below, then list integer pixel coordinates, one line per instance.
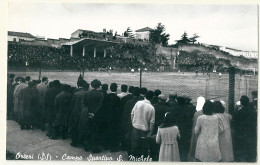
(199, 59)
(144, 123)
(26, 55)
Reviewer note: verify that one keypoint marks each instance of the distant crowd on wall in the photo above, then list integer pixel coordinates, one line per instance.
(142, 122)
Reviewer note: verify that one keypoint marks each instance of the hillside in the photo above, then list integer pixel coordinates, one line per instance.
(241, 62)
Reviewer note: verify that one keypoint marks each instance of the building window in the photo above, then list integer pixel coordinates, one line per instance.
(14, 39)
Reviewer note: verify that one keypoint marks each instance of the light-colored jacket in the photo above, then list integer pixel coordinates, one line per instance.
(143, 116)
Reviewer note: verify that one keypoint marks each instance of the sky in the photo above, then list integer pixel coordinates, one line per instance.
(234, 26)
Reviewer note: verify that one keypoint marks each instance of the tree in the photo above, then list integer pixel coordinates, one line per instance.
(184, 40)
(114, 37)
(128, 33)
(193, 39)
(158, 36)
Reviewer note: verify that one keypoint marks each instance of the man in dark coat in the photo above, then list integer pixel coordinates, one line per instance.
(42, 89)
(172, 103)
(143, 92)
(53, 90)
(244, 123)
(155, 100)
(185, 111)
(93, 100)
(114, 117)
(104, 89)
(80, 84)
(10, 92)
(160, 111)
(127, 124)
(128, 96)
(62, 107)
(18, 101)
(30, 99)
(123, 131)
(77, 108)
(102, 118)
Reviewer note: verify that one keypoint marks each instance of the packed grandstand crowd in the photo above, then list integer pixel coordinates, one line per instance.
(144, 123)
(26, 55)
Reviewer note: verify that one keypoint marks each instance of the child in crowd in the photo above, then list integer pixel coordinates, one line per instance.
(167, 135)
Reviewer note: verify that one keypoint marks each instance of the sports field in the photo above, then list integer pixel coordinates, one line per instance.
(189, 84)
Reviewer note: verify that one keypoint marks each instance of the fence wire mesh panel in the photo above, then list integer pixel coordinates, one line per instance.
(183, 84)
(211, 86)
(218, 88)
(245, 85)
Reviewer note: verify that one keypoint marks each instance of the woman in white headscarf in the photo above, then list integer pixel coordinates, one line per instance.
(194, 138)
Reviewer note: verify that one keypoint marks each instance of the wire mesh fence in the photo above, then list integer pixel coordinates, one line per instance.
(210, 86)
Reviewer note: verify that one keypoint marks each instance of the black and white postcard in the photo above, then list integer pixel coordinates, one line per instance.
(135, 82)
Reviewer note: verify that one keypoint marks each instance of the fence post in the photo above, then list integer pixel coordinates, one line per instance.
(246, 85)
(40, 73)
(140, 78)
(231, 93)
(207, 86)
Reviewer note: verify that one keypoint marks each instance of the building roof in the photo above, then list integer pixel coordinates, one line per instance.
(144, 29)
(91, 43)
(20, 34)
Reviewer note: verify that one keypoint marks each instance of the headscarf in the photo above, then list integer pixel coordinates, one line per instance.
(200, 103)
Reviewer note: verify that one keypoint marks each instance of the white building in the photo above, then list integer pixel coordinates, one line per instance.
(143, 34)
(19, 36)
(235, 52)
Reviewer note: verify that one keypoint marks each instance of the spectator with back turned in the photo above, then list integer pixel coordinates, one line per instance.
(27, 79)
(207, 130)
(42, 89)
(127, 123)
(185, 112)
(30, 99)
(62, 107)
(143, 92)
(114, 116)
(194, 138)
(245, 126)
(172, 103)
(18, 101)
(76, 109)
(10, 93)
(160, 111)
(143, 118)
(123, 130)
(53, 90)
(155, 99)
(225, 140)
(102, 118)
(123, 91)
(93, 100)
